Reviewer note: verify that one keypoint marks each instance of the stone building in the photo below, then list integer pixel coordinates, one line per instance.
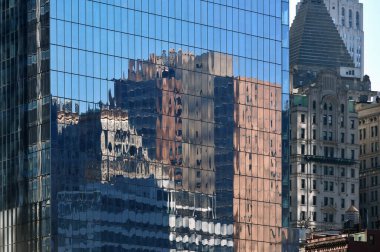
(324, 123)
(369, 138)
(363, 241)
(348, 18)
(324, 153)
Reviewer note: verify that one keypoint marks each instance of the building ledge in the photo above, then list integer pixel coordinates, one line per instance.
(330, 160)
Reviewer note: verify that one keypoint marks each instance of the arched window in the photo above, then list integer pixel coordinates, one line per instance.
(357, 20)
(343, 16)
(350, 18)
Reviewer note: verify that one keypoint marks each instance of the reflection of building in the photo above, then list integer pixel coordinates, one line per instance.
(79, 138)
(369, 117)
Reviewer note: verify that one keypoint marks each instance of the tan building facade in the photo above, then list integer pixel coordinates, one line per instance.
(369, 139)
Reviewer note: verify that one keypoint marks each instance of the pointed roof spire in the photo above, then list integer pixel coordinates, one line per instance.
(315, 40)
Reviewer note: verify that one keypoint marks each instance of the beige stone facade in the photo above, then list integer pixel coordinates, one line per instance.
(324, 153)
(369, 138)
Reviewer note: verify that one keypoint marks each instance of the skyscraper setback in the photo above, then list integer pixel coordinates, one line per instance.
(128, 121)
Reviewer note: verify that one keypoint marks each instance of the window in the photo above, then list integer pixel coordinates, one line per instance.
(357, 20)
(342, 172)
(325, 201)
(332, 152)
(331, 201)
(314, 105)
(303, 215)
(303, 184)
(341, 122)
(314, 185)
(314, 216)
(342, 137)
(330, 136)
(326, 151)
(352, 154)
(325, 217)
(331, 171)
(342, 187)
(314, 200)
(303, 199)
(302, 168)
(314, 134)
(352, 173)
(314, 119)
(352, 138)
(302, 149)
(331, 187)
(325, 135)
(341, 108)
(343, 203)
(342, 153)
(325, 186)
(324, 119)
(324, 106)
(314, 169)
(330, 119)
(352, 124)
(325, 170)
(314, 150)
(352, 188)
(302, 118)
(290, 185)
(350, 18)
(302, 133)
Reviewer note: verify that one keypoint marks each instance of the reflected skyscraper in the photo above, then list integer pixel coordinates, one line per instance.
(124, 122)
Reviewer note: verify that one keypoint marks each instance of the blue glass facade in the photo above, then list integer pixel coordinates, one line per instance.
(144, 125)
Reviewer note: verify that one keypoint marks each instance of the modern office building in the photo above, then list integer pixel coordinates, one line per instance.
(369, 116)
(347, 16)
(143, 125)
(324, 123)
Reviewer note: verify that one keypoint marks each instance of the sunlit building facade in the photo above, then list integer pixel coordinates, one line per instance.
(155, 125)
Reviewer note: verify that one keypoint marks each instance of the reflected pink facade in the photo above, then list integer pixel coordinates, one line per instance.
(257, 166)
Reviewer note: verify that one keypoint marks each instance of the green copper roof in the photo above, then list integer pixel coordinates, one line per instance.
(314, 39)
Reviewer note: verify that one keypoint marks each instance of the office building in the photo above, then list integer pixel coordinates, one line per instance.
(143, 125)
(347, 16)
(324, 154)
(348, 19)
(324, 123)
(369, 116)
